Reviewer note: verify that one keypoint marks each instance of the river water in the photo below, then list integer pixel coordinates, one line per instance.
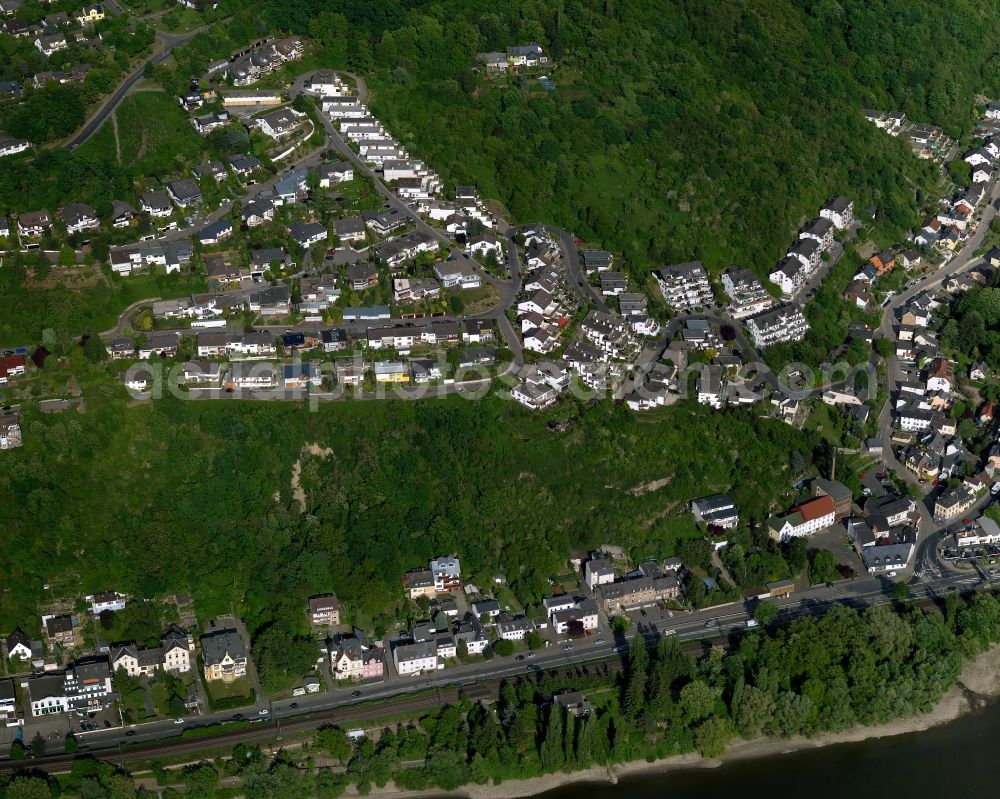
(949, 760)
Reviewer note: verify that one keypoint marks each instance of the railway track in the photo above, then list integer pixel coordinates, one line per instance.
(272, 731)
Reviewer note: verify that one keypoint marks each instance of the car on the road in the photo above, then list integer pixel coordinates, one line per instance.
(293, 705)
(238, 717)
(891, 574)
(519, 657)
(709, 623)
(995, 488)
(263, 711)
(355, 694)
(130, 733)
(599, 641)
(567, 647)
(178, 721)
(531, 655)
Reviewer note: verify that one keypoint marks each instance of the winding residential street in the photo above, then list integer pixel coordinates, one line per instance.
(932, 578)
(712, 625)
(964, 260)
(169, 41)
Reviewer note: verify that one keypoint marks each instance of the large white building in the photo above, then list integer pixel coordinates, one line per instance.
(447, 574)
(747, 294)
(807, 518)
(784, 323)
(415, 658)
(684, 286)
(838, 210)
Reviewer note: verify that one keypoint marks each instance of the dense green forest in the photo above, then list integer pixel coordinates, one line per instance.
(700, 130)
(178, 495)
(818, 674)
(970, 327)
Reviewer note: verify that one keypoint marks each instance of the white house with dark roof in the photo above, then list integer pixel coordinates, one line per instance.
(280, 123)
(156, 203)
(78, 217)
(838, 210)
(306, 234)
(684, 286)
(784, 323)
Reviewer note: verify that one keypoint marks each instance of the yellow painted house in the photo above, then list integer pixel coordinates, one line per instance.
(391, 372)
(90, 15)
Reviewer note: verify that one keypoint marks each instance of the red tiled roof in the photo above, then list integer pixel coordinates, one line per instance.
(815, 508)
(11, 362)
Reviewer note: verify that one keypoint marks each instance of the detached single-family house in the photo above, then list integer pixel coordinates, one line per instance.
(452, 275)
(49, 45)
(90, 14)
(184, 192)
(122, 214)
(214, 120)
(256, 212)
(156, 203)
(224, 655)
(324, 610)
(244, 165)
(216, 232)
(306, 234)
(33, 224)
(280, 123)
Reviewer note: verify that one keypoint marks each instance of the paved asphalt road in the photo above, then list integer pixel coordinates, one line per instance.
(170, 41)
(965, 259)
(705, 624)
(933, 580)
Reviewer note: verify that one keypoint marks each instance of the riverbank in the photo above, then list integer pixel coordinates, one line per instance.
(978, 685)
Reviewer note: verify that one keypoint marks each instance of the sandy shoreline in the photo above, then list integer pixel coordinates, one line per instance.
(978, 684)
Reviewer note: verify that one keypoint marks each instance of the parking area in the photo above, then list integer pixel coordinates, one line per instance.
(835, 540)
(984, 553)
(652, 614)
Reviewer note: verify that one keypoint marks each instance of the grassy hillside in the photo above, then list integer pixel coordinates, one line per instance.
(682, 129)
(178, 495)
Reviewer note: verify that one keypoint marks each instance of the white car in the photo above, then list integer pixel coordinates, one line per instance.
(891, 574)
(995, 488)
(178, 721)
(751, 623)
(262, 712)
